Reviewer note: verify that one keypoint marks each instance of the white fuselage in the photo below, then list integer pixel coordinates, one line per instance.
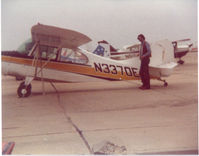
(96, 67)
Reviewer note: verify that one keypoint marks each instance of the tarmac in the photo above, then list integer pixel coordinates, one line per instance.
(75, 118)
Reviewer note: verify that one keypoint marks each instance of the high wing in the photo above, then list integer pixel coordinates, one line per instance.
(58, 37)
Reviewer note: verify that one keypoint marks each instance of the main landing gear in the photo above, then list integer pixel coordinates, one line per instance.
(24, 89)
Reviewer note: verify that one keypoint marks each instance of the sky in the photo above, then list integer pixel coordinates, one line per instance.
(117, 21)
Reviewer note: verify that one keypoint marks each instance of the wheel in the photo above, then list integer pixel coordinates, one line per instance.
(165, 84)
(23, 90)
(181, 62)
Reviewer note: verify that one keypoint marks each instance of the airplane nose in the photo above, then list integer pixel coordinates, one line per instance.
(7, 53)
(12, 53)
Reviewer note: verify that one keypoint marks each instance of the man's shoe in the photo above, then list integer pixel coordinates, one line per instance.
(142, 87)
(147, 87)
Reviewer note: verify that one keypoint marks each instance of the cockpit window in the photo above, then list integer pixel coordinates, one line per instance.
(48, 52)
(74, 56)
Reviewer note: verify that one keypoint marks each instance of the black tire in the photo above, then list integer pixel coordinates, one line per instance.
(165, 84)
(181, 62)
(23, 90)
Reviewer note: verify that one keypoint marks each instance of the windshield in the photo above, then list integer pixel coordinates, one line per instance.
(26, 46)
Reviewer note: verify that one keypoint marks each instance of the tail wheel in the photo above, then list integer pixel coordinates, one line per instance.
(181, 62)
(23, 90)
(165, 84)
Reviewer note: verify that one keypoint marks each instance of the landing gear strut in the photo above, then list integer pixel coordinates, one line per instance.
(24, 90)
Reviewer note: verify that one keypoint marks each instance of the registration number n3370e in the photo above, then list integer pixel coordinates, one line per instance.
(115, 69)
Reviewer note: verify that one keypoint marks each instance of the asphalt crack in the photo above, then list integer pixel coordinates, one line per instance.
(80, 132)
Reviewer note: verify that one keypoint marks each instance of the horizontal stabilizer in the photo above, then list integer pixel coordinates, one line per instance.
(167, 65)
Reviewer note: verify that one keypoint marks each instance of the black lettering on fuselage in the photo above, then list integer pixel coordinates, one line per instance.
(106, 68)
(128, 71)
(112, 69)
(121, 69)
(98, 67)
(134, 72)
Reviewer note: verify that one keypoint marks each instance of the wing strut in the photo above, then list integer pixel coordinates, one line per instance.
(24, 89)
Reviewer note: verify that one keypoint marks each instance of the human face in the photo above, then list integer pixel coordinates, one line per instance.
(140, 39)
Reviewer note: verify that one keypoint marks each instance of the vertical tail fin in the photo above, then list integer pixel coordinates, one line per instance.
(162, 60)
(162, 53)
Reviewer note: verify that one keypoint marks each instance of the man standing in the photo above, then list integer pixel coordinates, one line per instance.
(145, 54)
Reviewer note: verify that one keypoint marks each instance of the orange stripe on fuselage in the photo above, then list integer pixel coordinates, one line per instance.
(70, 67)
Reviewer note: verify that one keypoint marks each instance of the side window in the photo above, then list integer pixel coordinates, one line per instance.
(48, 52)
(74, 56)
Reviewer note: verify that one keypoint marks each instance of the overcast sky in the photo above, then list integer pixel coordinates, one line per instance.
(117, 21)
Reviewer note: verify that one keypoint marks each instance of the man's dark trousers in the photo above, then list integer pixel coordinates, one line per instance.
(144, 72)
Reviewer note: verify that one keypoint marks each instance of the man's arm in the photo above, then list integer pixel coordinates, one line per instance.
(148, 53)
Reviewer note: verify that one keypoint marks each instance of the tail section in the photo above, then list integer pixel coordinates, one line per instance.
(161, 63)
(162, 60)
(162, 53)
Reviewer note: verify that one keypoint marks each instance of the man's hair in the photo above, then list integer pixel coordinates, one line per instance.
(142, 36)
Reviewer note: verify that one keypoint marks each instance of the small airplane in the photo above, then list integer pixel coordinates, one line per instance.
(181, 48)
(53, 54)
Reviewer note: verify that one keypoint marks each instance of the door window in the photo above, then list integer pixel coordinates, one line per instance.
(74, 56)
